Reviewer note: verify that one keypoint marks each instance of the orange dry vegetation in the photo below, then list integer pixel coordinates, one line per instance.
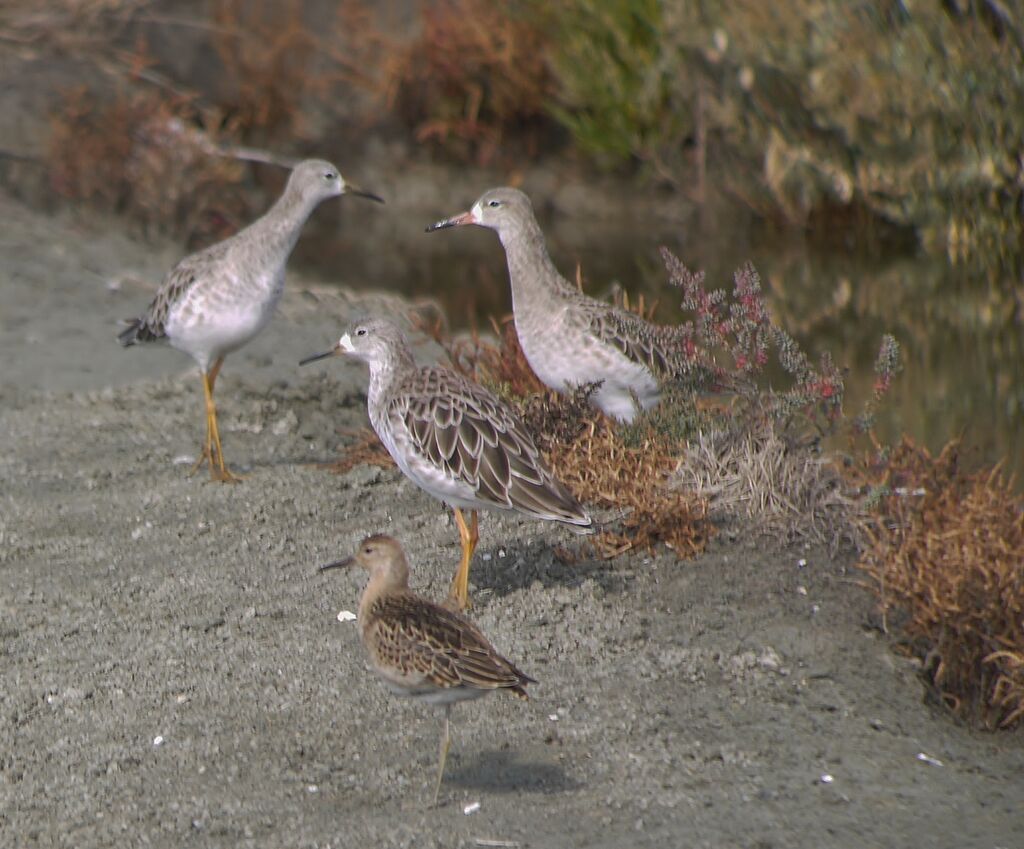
(473, 72)
(591, 456)
(144, 153)
(635, 480)
(268, 53)
(947, 553)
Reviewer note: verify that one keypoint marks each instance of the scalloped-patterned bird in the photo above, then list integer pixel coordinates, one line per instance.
(455, 440)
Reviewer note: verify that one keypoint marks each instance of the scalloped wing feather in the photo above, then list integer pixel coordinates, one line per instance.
(469, 434)
(445, 648)
(653, 346)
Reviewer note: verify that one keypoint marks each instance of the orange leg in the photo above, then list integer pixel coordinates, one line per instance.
(469, 536)
(212, 453)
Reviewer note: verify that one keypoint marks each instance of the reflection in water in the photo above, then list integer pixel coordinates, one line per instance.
(962, 334)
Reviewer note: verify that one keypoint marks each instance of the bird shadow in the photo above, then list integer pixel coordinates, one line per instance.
(498, 771)
(538, 560)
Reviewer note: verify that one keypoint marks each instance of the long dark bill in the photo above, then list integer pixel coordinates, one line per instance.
(362, 193)
(337, 564)
(316, 357)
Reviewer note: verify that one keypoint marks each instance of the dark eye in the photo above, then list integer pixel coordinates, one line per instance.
(330, 175)
(494, 203)
(361, 331)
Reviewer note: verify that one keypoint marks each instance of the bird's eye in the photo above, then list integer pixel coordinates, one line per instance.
(494, 203)
(330, 175)
(361, 331)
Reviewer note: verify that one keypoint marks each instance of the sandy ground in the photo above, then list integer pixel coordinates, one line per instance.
(174, 672)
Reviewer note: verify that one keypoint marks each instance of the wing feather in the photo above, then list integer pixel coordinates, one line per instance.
(443, 646)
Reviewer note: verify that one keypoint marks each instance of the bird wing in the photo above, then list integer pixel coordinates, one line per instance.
(472, 436)
(658, 348)
(423, 638)
(179, 281)
(668, 352)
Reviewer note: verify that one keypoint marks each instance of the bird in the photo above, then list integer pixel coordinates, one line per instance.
(216, 300)
(455, 440)
(421, 649)
(570, 339)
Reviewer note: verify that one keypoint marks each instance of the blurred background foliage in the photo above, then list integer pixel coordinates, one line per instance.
(911, 110)
(881, 116)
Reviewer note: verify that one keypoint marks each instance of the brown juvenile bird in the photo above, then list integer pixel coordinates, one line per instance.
(421, 649)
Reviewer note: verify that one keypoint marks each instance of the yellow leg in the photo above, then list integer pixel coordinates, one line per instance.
(469, 535)
(212, 453)
(446, 742)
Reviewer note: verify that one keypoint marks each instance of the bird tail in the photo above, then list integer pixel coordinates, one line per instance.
(130, 335)
(136, 331)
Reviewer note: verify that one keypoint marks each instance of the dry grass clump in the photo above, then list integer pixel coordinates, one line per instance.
(145, 153)
(946, 553)
(788, 489)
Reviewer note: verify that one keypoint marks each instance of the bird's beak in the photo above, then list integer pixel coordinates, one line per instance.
(351, 189)
(337, 564)
(331, 353)
(455, 221)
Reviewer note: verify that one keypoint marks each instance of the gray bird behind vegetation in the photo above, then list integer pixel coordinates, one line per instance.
(570, 339)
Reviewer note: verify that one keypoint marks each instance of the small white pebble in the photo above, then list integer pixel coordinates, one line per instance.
(801, 590)
(183, 460)
(826, 778)
(485, 556)
(501, 552)
(312, 788)
(553, 717)
(801, 562)
(815, 608)
(158, 740)
(346, 616)
(928, 759)
(471, 808)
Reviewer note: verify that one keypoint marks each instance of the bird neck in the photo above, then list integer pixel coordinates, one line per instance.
(531, 272)
(383, 583)
(276, 233)
(389, 370)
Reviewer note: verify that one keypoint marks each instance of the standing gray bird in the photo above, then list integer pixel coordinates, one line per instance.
(420, 649)
(570, 339)
(454, 439)
(215, 301)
